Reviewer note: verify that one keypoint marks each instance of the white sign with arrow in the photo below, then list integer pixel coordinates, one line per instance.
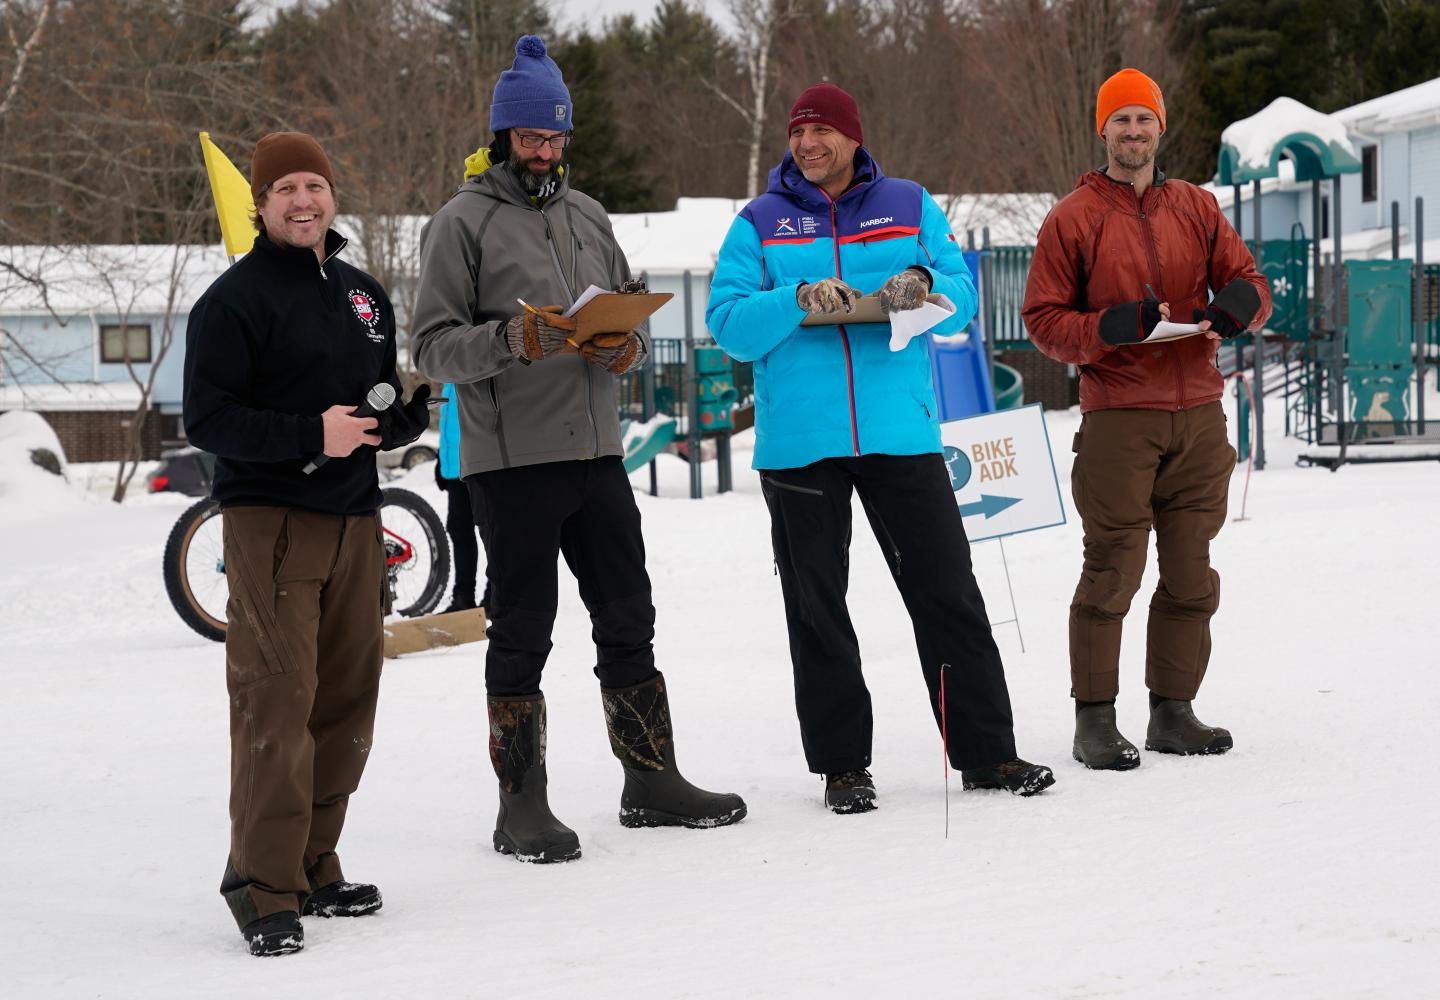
(1002, 472)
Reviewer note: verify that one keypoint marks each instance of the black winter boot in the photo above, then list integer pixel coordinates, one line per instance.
(525, 827)
(1174, 729)
(656, 794)
(850, 792)
(460, 601)
(278, 934)
(1018, 777)
(1098, 743)
(342, 899)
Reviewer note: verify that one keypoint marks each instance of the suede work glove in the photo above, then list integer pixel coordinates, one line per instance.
(1129, 322)
(828, 296)
(1232, 309)
(532, 337)
(904, 291)
(399, 425)
(617, 353)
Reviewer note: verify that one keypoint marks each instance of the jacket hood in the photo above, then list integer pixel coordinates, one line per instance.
(786, 179)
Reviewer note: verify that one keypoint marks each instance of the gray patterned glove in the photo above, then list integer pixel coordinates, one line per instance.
(904, 291)
(828, 296)
(531, 337)
(617, 353)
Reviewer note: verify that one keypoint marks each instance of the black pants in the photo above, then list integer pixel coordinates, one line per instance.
(585, 511)
(912, 511)
(460, 526)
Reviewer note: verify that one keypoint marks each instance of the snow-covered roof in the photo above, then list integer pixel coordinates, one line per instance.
(1413, 107)
(70, 396)
(685, 239)
(128, 280)
(1319, 144)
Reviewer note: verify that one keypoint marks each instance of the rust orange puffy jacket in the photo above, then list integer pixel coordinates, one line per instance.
(1099, 247)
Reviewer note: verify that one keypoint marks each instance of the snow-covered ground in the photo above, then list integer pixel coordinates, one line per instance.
(1302, 864)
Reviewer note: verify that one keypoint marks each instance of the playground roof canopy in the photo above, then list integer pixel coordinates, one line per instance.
(1319, 145)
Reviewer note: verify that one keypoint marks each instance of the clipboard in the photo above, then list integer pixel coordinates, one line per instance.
(618, 312)
(867, 310)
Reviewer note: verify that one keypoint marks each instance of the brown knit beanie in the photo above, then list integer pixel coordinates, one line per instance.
(281, 153)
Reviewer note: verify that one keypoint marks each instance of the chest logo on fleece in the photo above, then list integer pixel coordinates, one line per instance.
(364, 307)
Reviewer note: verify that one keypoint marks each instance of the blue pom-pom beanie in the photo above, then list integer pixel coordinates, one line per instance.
(531, 93)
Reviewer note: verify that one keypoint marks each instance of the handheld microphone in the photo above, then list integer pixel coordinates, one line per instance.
(381, 397)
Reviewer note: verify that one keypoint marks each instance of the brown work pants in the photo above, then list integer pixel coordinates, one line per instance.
(1137, 469)
(302, 664)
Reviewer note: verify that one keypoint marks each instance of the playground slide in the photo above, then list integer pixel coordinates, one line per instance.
(643, 441)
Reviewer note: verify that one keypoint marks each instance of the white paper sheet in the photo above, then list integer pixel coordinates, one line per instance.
(585, 297)
(906, 326)
(1166, 330)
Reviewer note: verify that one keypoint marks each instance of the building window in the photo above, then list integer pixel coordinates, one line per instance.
(121, 343)
(1369, 176)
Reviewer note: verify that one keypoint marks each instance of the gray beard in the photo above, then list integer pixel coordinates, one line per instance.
(535, 185)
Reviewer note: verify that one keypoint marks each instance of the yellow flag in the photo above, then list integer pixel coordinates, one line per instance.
(233, 204)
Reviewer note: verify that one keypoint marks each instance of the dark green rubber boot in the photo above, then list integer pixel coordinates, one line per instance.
(656, 794)
(525, 828)
(1098, 743)
(1174, 729)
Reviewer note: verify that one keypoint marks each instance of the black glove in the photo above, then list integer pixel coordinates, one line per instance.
(1232, 308)
(399, 425)
(1129, 322)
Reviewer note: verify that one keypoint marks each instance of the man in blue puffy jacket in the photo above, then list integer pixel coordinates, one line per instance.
(836, 411)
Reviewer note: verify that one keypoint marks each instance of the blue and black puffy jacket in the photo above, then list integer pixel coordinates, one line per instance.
(834, 391)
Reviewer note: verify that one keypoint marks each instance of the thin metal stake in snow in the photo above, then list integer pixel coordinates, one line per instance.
(945, 748)
(1254, 436)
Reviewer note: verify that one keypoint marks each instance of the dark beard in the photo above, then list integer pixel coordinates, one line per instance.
(535, 185)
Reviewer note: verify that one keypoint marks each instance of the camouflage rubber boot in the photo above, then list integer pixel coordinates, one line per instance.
(656, 794)
(525, 827)
(1174, 729)
(1098, 743)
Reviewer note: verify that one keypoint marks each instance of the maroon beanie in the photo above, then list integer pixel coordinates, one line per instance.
(281, 153)
(827, 104)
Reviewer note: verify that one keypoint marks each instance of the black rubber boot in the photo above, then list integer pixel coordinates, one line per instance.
(525, 826)
(1098, 743)
(656, 794)
(850, 792)
(342, 899)
(1174, 729)
(1018, 777)
(277, 934)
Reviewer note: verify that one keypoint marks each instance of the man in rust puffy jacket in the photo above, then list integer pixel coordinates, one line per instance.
(1122, 252)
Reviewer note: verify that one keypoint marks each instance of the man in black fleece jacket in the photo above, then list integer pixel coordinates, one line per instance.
(279, 351)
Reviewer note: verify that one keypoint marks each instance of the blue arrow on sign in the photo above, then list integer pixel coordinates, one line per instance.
(988, 505)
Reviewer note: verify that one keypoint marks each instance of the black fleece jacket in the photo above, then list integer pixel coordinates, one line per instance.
(273, 343)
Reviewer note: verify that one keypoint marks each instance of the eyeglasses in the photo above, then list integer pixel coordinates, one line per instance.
(529, 140)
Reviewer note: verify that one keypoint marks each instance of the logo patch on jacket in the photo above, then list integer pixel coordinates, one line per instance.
(784, 228)
(364, 307)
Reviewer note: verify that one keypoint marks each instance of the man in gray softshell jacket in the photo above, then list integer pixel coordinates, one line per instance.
(541, 456)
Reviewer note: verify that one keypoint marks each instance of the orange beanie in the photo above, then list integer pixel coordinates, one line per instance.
(1127, 87)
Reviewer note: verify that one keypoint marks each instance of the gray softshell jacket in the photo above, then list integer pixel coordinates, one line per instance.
(488, 246)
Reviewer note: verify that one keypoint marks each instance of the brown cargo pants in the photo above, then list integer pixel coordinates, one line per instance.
(302, 664)
(1133, 470)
